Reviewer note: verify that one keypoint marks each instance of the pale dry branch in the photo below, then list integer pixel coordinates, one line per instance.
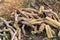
(42, 26)
(23, 30)
(50, 23)
(19, 37)
(54, 22)
(2, 19)
(48, 31)
(13, 36)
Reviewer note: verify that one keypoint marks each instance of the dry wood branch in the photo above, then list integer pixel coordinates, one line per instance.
(35, 20)
(24, 13)
(29, 19)
(55, 14)
(41, 28)
(50, 23)
(41, 10)
(4, 34)
(18, 30)
(54, 22)
(48, 31)
(35, 29)
(23, 18)
(38, 22)
(27, 9)
(16, 16)
(19, 37)
(23, 30)
(16, 26)
(11, 32)
(27, 23)
(13, 36)
(51, 12)
(2, 19)
(54, 18)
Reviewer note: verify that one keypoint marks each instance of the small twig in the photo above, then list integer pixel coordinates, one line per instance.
(13, 36)
(48, 31)
(27, 9)
(19, 37)
(41, 28)
(2, 19)
(51, 12)
(37, 22)
(24, 13)
(9, 21)
(16, 16)
(23, 18)
(4, 34)
(23, 29)
(11, 32)
(54, 18)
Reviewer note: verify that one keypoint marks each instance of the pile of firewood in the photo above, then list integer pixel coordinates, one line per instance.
(38, 20)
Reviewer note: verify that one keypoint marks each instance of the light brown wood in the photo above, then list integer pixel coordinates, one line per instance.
(48, 31)
(54, 22)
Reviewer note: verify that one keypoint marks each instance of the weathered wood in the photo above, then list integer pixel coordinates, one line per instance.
(54, 22)
(50, 23)
(41, 28)
(48, 31)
